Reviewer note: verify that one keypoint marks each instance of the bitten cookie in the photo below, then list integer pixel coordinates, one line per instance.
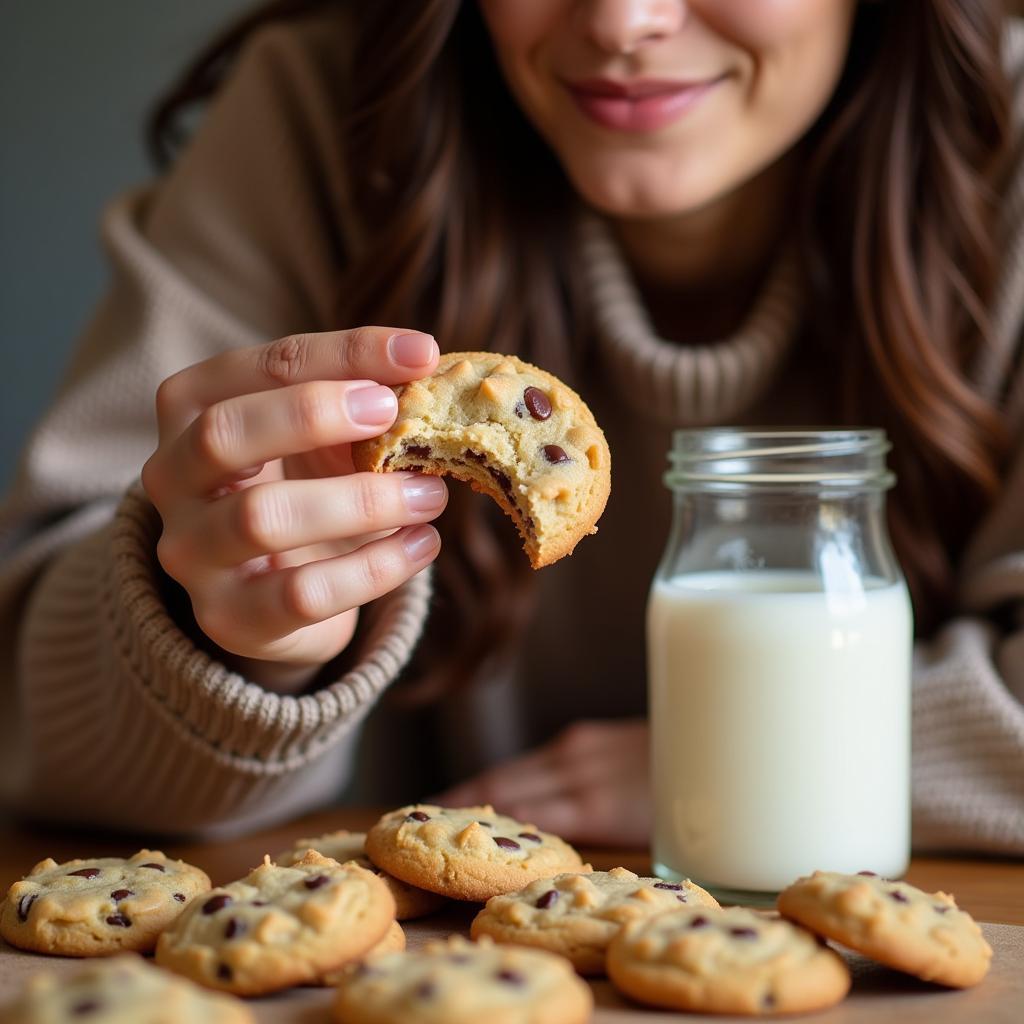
(725, 961)
(279, 926)
(122, 990)
(923, 934)
(509, 430)
(98, 906)
(460, 982)
(466, 853)
(578, 915)
(342, 846)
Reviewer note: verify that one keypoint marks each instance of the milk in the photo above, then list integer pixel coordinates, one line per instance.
(780, 723)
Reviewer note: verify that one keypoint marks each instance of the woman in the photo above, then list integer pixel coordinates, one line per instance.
(816, 202)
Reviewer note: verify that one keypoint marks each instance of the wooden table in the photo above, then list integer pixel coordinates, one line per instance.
(992, 890)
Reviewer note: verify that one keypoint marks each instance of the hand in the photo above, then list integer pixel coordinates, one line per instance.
(591, 785)
(265, 523)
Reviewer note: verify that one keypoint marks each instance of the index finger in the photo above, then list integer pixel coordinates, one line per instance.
(386, 355)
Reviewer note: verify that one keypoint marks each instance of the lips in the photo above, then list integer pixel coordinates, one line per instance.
(638, 105)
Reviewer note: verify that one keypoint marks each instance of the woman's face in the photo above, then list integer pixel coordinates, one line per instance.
(660, 107)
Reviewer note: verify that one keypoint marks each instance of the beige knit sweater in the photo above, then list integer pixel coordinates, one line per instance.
(110, 713)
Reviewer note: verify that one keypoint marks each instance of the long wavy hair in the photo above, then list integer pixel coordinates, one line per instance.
(898, 230)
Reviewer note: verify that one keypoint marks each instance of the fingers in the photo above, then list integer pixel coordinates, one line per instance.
(277, 603)
(383, 354)
(281, 516)
(232, 436)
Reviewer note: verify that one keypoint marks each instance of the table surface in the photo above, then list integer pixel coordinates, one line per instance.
(991, 890)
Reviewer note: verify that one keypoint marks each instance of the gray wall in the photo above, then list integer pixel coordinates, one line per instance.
(76, 78)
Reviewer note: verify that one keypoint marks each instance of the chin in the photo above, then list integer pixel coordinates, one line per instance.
(667, 192)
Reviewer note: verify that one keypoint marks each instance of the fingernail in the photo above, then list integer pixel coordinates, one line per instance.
(371, 406)
(421, 543)
(412, 349)
(424, 493)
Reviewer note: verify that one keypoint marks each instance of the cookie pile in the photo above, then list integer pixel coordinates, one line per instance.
(326, 912)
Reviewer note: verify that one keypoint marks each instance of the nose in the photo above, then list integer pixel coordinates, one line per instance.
(625, 26)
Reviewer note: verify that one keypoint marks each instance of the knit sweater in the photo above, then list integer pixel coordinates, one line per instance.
(112, 713)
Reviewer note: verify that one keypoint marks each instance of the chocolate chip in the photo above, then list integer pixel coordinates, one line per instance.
(316, 882)
(699, 922)
(421, 451)
(519, 409)
(503, 481)
(417, 816)
(510, 977)
(899, 897)
(155, 867)
(85, 872)
(85, 1007)
(941, 910)
(537, 402)
(223, 972)
(234, 927)
(486, 824)
(506, 844)
(425, 990)
(460, 958)
(870, 874)
(668, 885)
(121, 894)
(259, 903)
(119, 921)
(475, 456)
(180, 897)
(25, 905)
(387, 462)
(548, 899)
(215, 903)
(555, 455)
(681, 898)
(768, 1001)
(532, 836)
(744, 933)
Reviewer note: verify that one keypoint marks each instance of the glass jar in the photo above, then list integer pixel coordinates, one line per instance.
(779, 635)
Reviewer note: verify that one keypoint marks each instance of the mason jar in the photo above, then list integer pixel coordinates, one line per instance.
(779, 635)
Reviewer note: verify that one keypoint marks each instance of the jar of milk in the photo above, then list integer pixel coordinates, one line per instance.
(779, 644)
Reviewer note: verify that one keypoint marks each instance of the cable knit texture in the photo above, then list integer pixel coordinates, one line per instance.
(110, 714)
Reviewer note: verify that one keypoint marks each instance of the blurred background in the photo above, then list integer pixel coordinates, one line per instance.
(76, 81)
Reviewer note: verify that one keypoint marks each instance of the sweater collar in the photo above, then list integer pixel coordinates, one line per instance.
(679, 385)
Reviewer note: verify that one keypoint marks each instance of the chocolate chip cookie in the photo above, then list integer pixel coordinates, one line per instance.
(509, 430)
(466, 853)
(342, 846)
(122, 990)
(924, 934)
(98, 906)
(460, 982)
(578, 915)
(279, 926)
(725, 961)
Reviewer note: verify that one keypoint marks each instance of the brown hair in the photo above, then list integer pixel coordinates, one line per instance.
(470, 216)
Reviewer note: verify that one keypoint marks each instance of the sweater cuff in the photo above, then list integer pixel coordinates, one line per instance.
(968, 742)
(131, 724)
(243, 725)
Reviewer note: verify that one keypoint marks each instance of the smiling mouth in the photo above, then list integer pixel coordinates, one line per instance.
(640, 105)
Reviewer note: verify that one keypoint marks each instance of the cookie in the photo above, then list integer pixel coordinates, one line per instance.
(725, 961)
(98, 906)
(393, 942)
(460, 982)
(509, 430)
(924, 934)
(342, 846)
(578, 915)
(122, 990)
(279, 926)
(466, 853)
